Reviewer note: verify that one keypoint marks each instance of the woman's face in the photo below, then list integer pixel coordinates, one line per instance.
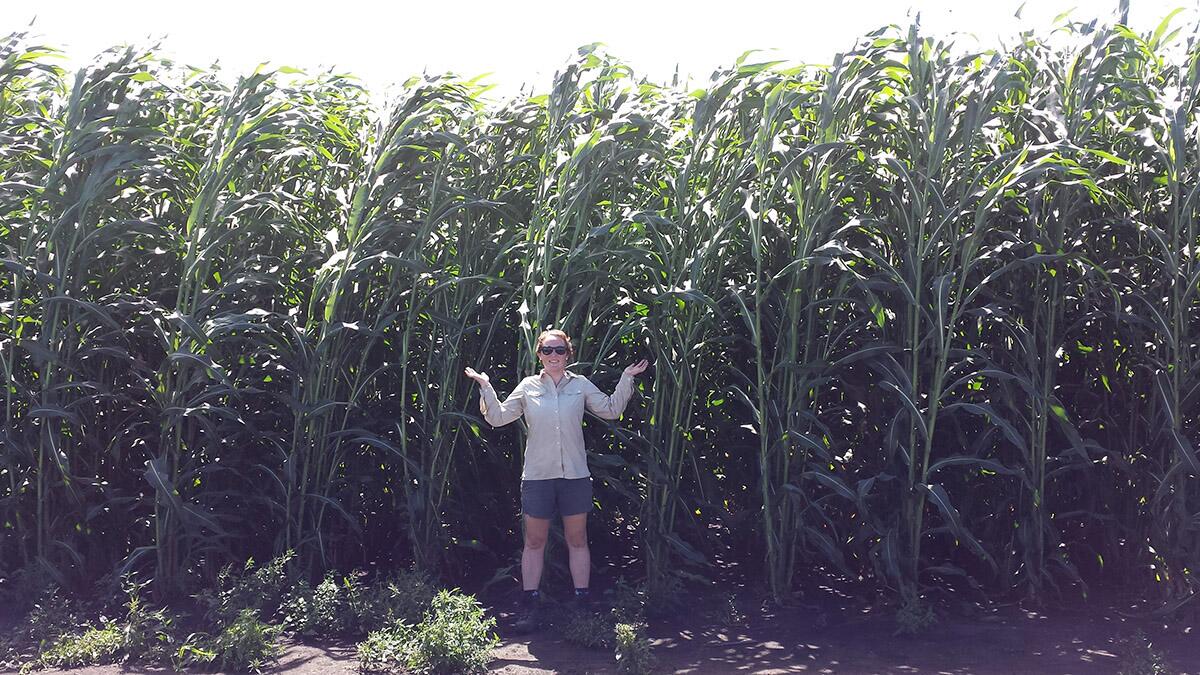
(554, 360)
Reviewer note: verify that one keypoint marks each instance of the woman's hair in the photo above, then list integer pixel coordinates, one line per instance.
(557, 334)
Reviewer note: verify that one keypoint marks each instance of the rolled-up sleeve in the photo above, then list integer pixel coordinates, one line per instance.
(496, 413)
(604, 406)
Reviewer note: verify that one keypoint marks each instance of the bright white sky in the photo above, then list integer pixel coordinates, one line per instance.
(525, 42)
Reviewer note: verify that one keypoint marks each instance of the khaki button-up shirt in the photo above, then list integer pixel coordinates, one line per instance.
(554, 414)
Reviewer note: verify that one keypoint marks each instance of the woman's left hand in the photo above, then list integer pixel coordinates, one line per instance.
(635, 369)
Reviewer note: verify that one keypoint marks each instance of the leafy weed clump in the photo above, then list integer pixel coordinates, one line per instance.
(94, 646)
(588, 629)
(622, 629)
(347, 606)
(52, 616)
(144, 636)
(259, 589)
(322, 611)
(626, 604)
(236, 635)
(454, 637)
(406, 596)
(245, 644)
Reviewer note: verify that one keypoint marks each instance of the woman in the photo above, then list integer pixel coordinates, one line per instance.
(555, 475)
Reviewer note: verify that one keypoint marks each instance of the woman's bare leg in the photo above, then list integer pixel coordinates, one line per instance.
(533, 557)
(575, 532)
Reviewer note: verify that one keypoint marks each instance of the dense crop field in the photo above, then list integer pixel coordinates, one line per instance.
(923, 318)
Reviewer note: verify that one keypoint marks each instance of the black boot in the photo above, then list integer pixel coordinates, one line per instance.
(529, 612)
(581, 601)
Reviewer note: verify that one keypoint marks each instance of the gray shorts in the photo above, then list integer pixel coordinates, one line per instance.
(569, 496)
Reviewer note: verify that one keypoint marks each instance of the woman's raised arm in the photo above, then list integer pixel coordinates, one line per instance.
(610, 407)
(496, 413)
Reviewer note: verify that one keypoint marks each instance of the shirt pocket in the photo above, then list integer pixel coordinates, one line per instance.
(571, 403)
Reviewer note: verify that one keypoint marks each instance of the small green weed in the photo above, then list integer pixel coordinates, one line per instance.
(245, 645)
(455, 637)
(634, 651)
(259, 589)
(149, 633)
(386, 650)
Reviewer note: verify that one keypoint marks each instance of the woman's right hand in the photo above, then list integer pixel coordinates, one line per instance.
(480, 378)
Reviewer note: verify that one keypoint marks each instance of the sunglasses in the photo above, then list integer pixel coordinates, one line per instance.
(552, 350)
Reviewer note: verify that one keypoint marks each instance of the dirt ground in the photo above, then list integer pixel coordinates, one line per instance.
(848, 638)
(1002, 642)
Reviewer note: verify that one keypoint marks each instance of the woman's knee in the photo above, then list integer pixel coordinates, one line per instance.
(575, 530)
(536, 531)
(576, 540)
(534, 542)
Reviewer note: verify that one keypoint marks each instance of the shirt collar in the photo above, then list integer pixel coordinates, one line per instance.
(543, 375)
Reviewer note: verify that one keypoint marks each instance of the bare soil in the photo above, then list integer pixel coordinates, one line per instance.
(828, 637)
(1004, 641)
